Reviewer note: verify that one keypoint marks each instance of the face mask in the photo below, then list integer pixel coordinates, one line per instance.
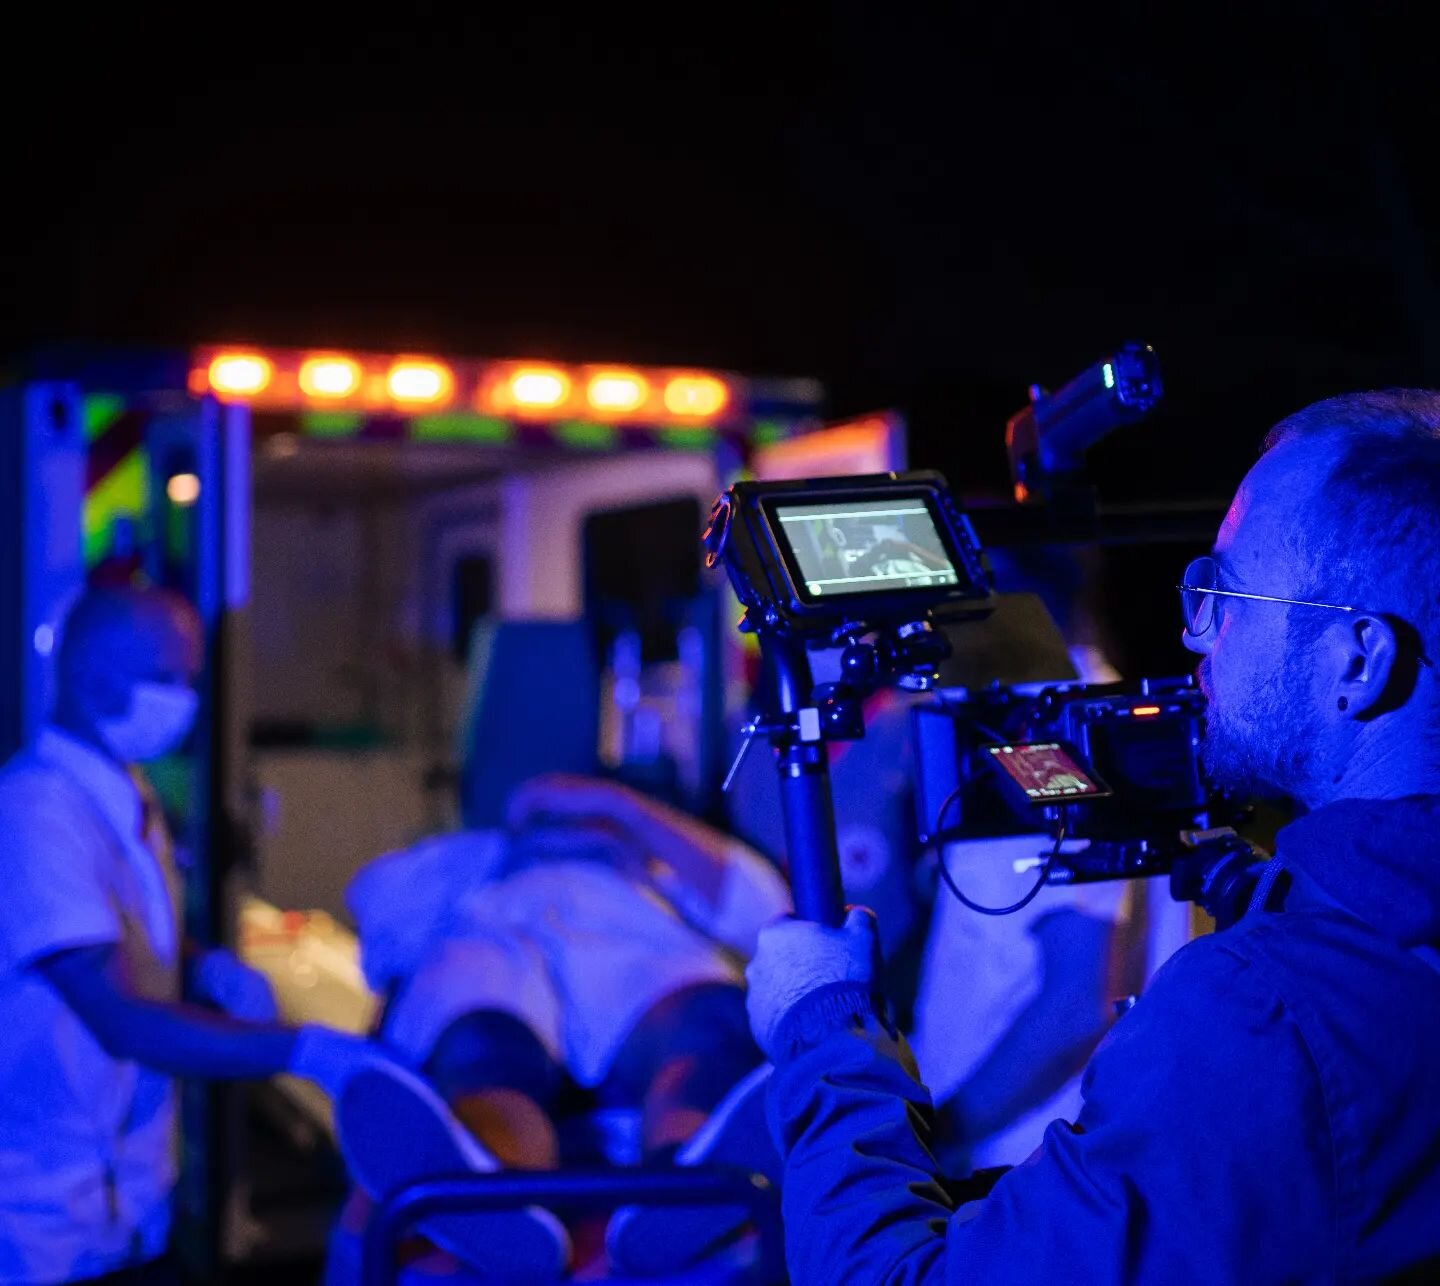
(160, 716)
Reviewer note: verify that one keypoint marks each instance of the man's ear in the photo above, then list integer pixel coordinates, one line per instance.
(1371, 670)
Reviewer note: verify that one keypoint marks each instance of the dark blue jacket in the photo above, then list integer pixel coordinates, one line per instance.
(1268, 1112)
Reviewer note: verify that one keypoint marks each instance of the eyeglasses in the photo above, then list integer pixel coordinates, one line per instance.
(1199, 589)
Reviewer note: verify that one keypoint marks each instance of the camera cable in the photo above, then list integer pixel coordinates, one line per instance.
(1030, 896)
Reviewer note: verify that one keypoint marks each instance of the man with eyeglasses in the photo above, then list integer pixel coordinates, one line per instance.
(1270, 1110)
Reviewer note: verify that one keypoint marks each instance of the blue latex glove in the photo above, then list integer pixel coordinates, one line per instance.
(795, 957)
(236, 988)
(329, 1058)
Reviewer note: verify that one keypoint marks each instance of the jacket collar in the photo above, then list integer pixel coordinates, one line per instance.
(1378, 859)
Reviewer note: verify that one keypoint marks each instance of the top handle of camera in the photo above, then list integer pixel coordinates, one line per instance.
(1047, 440)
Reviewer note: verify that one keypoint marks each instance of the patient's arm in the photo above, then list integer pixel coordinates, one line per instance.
(725, 889)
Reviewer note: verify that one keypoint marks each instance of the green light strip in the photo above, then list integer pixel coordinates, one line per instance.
(587, 435)
(696, 439)
(461, 428)
(331, 424)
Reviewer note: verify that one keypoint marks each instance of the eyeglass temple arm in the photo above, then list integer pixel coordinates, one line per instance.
(1265, 598)
(1293, 602)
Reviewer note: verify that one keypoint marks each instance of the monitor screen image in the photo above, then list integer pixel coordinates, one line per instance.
(865, 546)
(1046, 772)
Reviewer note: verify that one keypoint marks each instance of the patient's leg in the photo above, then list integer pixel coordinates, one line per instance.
(501, 1082)
(683, 1056)
(702, 1090)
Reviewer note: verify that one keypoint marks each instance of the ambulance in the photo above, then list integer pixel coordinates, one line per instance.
(399, 558)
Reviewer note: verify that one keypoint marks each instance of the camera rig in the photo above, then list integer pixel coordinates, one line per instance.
(868, 564)
(874, 565)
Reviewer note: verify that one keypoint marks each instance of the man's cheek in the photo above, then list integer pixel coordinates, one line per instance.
(1212, 678)
(1226, 663)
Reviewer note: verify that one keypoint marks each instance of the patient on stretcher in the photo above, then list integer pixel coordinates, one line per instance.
(573, 989)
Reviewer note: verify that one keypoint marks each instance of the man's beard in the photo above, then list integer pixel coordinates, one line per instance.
(1265, 745)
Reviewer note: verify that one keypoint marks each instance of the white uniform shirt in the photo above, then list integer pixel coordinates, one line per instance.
(574, 948)
(86, 1141)
(613, 948)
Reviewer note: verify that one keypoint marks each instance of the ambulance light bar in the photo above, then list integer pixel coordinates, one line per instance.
(301, 380)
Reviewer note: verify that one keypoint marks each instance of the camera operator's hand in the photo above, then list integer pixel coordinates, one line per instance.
(795, 957)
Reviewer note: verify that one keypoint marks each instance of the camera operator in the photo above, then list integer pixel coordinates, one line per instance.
(1270, 1111)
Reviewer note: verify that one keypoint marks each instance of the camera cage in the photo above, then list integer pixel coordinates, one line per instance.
(1160, 817)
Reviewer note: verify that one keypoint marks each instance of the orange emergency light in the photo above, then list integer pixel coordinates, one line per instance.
(696, 396)
(613, 392)
(240, 375)
(419, 381)
(329, 376)
(539, 388)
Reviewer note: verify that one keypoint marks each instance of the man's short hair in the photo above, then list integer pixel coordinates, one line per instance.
(100, 631)
(1373, 539)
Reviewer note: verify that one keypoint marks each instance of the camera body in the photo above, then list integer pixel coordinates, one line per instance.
(1116, 763)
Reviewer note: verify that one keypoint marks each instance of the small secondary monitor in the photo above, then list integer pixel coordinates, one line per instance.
(1046, 772)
